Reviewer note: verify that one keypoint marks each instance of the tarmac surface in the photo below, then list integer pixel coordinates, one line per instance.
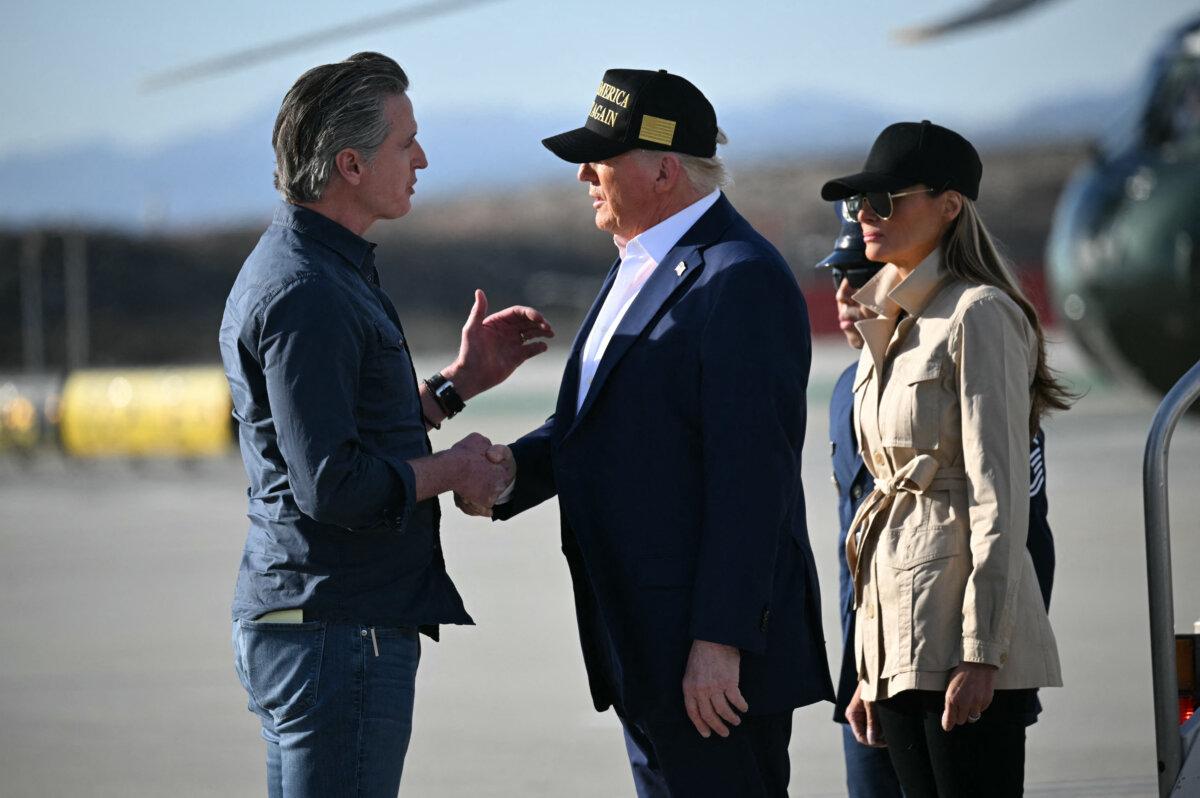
(116, 676)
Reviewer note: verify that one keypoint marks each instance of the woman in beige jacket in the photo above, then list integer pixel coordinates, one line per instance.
(952, 636)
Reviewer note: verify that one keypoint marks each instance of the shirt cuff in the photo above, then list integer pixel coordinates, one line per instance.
(400, 509)
(507, 494)
(983, 652)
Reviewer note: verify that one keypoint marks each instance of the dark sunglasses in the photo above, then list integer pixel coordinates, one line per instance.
(880, 202)
(858, 276)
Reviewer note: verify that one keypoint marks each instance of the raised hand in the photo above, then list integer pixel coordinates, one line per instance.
(493, 346)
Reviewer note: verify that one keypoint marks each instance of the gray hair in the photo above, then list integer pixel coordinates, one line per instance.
(331, 108)
(705, 175)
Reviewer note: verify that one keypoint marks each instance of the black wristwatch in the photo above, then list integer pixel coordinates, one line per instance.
(444, 394)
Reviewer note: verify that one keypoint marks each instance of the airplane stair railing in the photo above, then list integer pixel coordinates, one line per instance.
(1163, 648)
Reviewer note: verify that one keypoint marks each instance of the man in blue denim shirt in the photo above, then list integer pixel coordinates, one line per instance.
(343, 561)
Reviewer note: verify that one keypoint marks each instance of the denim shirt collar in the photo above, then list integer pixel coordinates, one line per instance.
(359, 252)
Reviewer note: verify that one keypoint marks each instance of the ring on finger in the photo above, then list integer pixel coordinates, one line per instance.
(974, 717)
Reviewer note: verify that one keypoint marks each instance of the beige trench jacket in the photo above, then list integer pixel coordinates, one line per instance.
(937, 550)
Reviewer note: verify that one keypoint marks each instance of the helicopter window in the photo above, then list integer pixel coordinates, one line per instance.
(1174, 116)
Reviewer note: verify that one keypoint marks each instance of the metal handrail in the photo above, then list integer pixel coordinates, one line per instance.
(1158, 571)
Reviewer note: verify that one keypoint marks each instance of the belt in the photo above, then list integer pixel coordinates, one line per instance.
(919, 475)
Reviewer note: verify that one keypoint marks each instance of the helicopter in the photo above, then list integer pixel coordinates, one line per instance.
(1123, 255)
(1124, 251)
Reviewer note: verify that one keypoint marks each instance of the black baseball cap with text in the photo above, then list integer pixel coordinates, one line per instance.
(913, 152)
(641, 109)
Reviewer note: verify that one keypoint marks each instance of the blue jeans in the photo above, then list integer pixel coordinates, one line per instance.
(869, 771)
(335, 701)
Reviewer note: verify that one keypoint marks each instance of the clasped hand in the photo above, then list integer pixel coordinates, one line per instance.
(485, 470)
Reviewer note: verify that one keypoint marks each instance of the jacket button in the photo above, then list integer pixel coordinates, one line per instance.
(766, 617)
(857, 492)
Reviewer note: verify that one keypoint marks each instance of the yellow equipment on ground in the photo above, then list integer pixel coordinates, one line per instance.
(160, 412)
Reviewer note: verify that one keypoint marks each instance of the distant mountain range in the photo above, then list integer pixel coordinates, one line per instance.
(222, 177)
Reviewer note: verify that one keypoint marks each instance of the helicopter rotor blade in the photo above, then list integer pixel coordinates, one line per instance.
(987, 12)
(231, 62)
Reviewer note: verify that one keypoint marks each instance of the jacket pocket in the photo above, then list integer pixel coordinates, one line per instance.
(388, 337)
(927, 571)
(916, 416)
(907, 548)
(387, 396)
(281, 665)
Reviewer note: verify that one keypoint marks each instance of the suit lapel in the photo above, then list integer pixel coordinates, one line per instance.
(666, 281)
(661, 286)
(568, 391)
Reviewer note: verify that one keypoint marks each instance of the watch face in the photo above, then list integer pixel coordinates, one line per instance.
(448, 398)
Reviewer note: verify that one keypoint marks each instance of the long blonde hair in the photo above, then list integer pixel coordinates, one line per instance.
(969, 253)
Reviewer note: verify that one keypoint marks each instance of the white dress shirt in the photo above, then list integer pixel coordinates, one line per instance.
(639, 258)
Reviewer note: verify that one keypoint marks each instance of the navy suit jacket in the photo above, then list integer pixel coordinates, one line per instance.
(854, 482)
(679, 480)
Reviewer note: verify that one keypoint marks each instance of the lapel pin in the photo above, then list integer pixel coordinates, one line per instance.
(679, 270)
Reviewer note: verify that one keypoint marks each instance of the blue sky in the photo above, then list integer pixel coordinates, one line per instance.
(72, 69)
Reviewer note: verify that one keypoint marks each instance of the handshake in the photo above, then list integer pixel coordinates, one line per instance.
(484, 471)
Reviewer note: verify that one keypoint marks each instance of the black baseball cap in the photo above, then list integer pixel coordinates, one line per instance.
(913, 152)
(640, 109)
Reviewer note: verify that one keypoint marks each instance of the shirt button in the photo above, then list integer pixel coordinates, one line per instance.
(879, 460)
(870, 610)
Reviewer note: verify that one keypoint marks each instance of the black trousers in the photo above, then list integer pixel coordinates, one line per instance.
(985, 759)
(670, 759)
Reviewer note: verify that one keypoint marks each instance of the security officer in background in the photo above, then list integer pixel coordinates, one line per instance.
(869, 772)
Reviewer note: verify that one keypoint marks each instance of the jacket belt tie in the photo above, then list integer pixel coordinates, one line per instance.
(918, 476)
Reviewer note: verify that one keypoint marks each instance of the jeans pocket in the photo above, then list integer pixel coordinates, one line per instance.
(281, 665)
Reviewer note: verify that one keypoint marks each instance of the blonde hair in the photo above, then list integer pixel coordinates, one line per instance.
(969, 253)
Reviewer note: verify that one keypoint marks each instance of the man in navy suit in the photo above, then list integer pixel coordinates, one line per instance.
(869, 772)
(674, 451)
